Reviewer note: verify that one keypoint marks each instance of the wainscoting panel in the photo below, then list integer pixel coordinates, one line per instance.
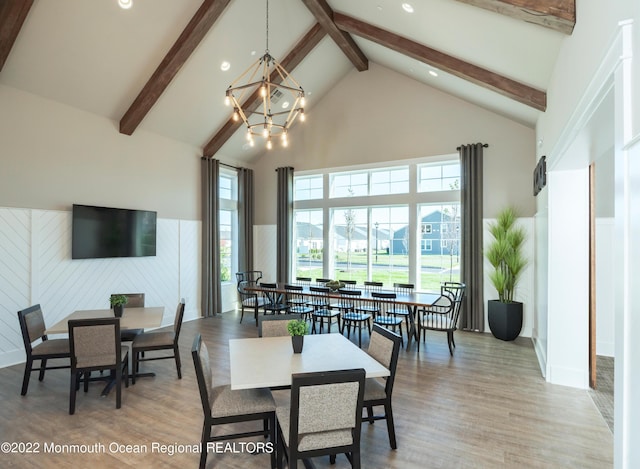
(36, 267)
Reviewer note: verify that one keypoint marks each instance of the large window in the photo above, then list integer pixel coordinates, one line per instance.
(228, 214)
(404, 228)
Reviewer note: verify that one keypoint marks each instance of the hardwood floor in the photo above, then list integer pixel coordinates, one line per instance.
(485, 407)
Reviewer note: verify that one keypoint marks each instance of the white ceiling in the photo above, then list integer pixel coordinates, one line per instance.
(96, 56)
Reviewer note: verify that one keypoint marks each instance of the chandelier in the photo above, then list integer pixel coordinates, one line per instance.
(266, 83)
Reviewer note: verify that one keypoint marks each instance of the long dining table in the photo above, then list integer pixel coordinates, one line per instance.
(413, 301)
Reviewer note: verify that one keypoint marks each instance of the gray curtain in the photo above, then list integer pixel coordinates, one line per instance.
(211, 291)
(471, 271)
(245, 219)
(285, 223)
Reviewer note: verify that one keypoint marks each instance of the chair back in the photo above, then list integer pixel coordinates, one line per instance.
(322, 281)
(349, 299)
(403, 288)
(456, 292)
(242, 289)
(177, 322)
(32, 326)
(275, 325)
(386, 301)
(94, 343)
(372, 286)
(327, 401)
(270, 293)
(252, 276)
(348, 283)
(303, 281)
(384, 347)
(134, 300)
(202, 364)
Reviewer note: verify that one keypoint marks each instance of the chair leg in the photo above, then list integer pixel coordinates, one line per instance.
(272, 438)
(332, 459)
(43, 365)
(241, 314)
(388, 413)
(206, 432)
(118, 386)
(355, 459)
(417, 340)
(370, 414)
(87, 378)
(27, 374)
(359, 335)
(449, 340)
(176, 353)
(72, 393)
(134, 366)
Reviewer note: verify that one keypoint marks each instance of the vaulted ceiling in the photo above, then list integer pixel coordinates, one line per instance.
(157, 65)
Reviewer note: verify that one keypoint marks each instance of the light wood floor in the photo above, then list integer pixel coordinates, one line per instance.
(486, 407)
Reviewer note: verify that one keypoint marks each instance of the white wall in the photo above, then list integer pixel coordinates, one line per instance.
(36, 267)
(605, 287)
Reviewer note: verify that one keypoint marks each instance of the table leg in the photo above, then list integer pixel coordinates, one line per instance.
(413, 332)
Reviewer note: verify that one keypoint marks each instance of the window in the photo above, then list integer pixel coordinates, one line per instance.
(228, 215)
(377, 224)
(390, 181)
(349, 184)
(308, 188)
(439, 177)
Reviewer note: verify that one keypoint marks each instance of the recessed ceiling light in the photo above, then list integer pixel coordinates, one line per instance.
(253, 52)
(407, 7)
(224, 66)
(125, 4)
(433, 73)
(285, 105)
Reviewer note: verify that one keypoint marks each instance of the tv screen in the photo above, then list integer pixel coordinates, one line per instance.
(99, 232)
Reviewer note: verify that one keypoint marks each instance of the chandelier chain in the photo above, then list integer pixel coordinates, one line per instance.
(267, 28)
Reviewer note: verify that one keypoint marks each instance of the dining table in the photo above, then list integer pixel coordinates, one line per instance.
(269, 362)
(148, 317)
(414, 301)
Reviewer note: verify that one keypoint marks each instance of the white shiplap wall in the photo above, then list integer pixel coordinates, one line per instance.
(36, 267)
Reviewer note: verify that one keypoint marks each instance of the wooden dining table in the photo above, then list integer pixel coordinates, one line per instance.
(132, 318)
(267, 362)
(414, 301)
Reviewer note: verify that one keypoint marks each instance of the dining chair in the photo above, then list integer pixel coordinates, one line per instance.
(321, 311)
(95, 345)
(275, 325)
(323, 417)
(297, 301)
(249, 299)
(273, 299)
(443, 315)
(33, 328)
(222, 406)
(353, 314)
(384, 347)
(400, 310)
(160, 340)
(387, 302)
(134, 300)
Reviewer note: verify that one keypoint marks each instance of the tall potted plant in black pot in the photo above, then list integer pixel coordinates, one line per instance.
(505, 254)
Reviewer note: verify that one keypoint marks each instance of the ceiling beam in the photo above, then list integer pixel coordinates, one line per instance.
(559, 15)
(290, 62)
(12, 16)
(324, 15)
(480, 76)
(193, 33)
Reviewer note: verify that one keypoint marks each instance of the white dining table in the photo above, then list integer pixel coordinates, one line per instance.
(270, 361)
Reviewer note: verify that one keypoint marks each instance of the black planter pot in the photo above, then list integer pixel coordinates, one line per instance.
(505, 319)
(297, 341)
(117, 311)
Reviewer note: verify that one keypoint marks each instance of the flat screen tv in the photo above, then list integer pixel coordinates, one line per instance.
(99, 232)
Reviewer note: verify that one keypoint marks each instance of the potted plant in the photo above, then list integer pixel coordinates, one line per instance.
(335, 285)
(505, 254)
(297, 328)
(117, 303)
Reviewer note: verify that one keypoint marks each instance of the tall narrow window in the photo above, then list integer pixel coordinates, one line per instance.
(228, 188)
(440, 245)
(309, 242)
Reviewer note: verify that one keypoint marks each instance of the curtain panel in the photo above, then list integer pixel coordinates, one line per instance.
(471, 263)
(246, 216)
(211, 302)
(285, 223)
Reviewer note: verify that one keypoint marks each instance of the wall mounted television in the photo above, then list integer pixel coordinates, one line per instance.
(100, 232)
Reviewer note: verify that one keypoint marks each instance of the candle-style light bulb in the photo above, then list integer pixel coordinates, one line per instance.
(302, 117)
(269, 144)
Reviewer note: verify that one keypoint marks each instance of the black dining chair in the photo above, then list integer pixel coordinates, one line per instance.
(33, 329)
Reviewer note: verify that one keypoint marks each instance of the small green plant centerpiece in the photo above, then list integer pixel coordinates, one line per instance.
(335, 285)
(297, 328)
(117, 303)
(505, 254)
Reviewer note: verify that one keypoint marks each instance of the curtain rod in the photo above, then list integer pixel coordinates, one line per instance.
(222, 164)
(484, 145)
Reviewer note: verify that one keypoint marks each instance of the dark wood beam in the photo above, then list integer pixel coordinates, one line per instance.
(290, 62)
(554, 14)
(324, 15)
(193, 33)
(480, 76)
(12, 16)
